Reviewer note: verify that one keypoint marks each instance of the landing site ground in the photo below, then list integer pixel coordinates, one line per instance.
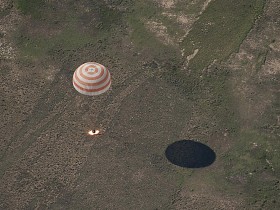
(206, 70)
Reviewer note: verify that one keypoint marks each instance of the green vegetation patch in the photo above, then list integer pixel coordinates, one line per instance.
(143, 11)
(216, 98)
(249, 154)
(31, 7)
(109, 16)
(220, 30)
(269, 122)
(4, 13)
(38, 47)
(70, 29)
(253, 164)
(4, 70)
(211, 93)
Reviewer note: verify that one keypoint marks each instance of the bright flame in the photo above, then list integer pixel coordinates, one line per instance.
(93, 132)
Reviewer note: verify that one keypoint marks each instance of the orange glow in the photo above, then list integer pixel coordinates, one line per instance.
(93, 132)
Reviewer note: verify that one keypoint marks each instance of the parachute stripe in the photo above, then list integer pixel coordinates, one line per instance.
(77, 87)
(91, 79)
(90, 84)
(93, 93)
(83, 74)
(87, 74)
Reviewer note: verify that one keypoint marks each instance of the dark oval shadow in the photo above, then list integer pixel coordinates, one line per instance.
(190, 154)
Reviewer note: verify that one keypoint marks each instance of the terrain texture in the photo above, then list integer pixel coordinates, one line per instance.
(205, 70)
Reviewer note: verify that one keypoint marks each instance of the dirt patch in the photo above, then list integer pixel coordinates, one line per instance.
(184, 22)
(8, 24)
(275, 45)
(167, 4)
(272, 67)
(256, 61)
(203, 201)
(160, 32)
(189, 57)
(205, 5)
(197, 194)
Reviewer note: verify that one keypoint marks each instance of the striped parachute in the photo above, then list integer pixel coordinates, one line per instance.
(91, 79)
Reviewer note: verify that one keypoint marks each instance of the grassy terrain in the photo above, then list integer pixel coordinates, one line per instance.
(33, 7)
(70, 36)
(254, 157)
(144, 39)
(126, 168)
(217, 34)
(220, 30)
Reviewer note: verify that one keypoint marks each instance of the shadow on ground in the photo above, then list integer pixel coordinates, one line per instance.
(190, 154)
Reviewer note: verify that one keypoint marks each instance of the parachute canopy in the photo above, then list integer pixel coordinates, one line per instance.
(91, 79)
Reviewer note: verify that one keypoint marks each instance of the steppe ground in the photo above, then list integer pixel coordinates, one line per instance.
(206, 70)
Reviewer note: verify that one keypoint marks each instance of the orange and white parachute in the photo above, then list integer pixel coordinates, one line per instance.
(91, 79)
